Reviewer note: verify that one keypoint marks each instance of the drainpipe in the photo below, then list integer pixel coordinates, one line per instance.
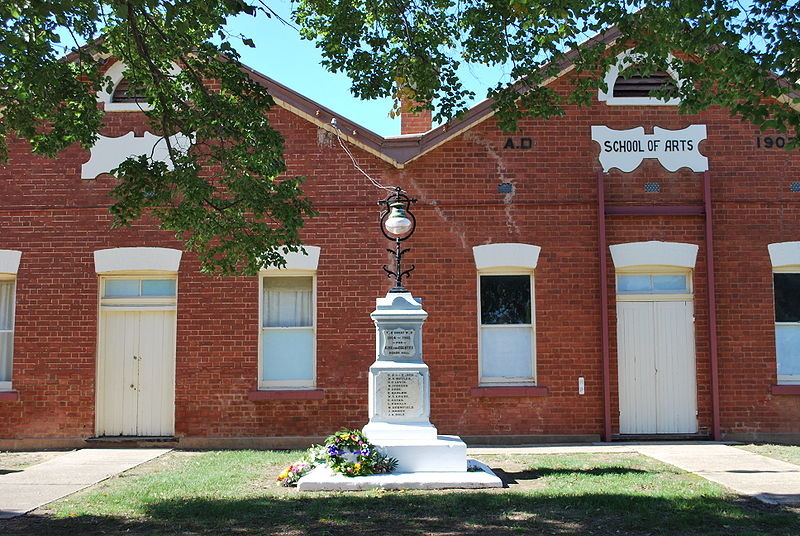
(601, 229)
(712, 309)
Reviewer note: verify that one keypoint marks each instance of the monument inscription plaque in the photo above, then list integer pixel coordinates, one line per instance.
(399, 343)
(400, 394)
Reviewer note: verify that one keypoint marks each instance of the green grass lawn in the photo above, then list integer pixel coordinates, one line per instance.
(234, 492)
(786, 453)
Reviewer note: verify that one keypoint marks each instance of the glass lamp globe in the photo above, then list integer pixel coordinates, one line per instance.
(397, 224)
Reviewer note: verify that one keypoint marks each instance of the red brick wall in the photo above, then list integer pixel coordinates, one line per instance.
(57, 221)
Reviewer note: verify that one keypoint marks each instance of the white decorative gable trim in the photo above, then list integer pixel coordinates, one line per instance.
(116, 73)
(784, 254)
(674, 149)
(299, 261)
(137, 259)
(108, 153)
(625, 60)
(509, 255)
(9, 261)
(654, 253)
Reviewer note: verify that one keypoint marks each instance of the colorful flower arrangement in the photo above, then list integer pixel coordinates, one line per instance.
(347, 452)
(295, 471)
(351, 453)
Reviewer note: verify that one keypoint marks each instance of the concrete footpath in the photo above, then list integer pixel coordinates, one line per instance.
(766, 479)
(26, 490)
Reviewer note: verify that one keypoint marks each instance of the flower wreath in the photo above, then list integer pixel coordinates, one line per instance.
(350, 453)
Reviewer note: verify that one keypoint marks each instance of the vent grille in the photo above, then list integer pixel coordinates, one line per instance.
(123, 93)
(652, 187)
(641, 86)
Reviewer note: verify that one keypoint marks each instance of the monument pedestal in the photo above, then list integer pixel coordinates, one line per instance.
(399, 414)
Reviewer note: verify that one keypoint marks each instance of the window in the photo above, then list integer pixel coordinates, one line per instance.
(127, 288)
(785, 259)
(506, 319)
(652, 284)
(787, 326)
(288, 326)
(506, 328)
(7, 302)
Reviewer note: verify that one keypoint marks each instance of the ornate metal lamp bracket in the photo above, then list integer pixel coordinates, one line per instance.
(398, 214)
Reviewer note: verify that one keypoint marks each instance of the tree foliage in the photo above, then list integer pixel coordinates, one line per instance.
(727, 52)
(228, 196)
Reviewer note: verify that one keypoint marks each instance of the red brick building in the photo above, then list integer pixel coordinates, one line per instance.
(568, 300)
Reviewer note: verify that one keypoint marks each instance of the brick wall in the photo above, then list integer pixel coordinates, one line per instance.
(57, 220)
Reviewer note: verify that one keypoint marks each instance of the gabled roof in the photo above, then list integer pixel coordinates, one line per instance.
(399, 150)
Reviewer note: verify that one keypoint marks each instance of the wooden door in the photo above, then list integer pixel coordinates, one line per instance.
(656, 364)
(136, 373)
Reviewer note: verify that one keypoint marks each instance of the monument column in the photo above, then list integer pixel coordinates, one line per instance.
(399, 392)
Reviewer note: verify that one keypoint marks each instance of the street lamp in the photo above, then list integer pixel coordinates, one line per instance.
(398, 223)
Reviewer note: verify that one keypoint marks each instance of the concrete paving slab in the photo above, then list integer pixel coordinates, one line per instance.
(26, 490)
(768, 480)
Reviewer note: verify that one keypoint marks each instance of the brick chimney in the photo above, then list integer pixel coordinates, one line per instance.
(415, 122)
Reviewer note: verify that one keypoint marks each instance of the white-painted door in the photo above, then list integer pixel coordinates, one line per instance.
(136, 373)
(656, 363)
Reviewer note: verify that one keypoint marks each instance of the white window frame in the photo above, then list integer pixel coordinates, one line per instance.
(138, 303)
(655, 270)
(286, 384)
(784, 379)
(7, 385)
(625, 60)
(785, 259)
(494, 381)
(9, 266)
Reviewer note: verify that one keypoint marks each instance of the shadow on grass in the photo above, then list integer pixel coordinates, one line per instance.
(443, 513)
(532, 474)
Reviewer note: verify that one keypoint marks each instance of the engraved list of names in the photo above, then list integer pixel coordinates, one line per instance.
(400, 394)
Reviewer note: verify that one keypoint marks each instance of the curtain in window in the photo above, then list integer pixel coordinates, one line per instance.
(288, 332)
(287, 302)
(6, 328)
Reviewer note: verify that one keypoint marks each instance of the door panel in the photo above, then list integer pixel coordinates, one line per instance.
(136, 373)
(656, 364)
(637, 382)
(156, 374)
(676, 382)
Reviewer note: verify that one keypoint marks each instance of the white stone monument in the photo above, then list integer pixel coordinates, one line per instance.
(400, 393)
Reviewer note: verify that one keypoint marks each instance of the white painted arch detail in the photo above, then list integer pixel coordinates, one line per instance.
(297, 260)
(508, 255)
(784, 254)
(654, 253)
(9, 261)
(625, 60)
(137, 259)
(116, 73)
